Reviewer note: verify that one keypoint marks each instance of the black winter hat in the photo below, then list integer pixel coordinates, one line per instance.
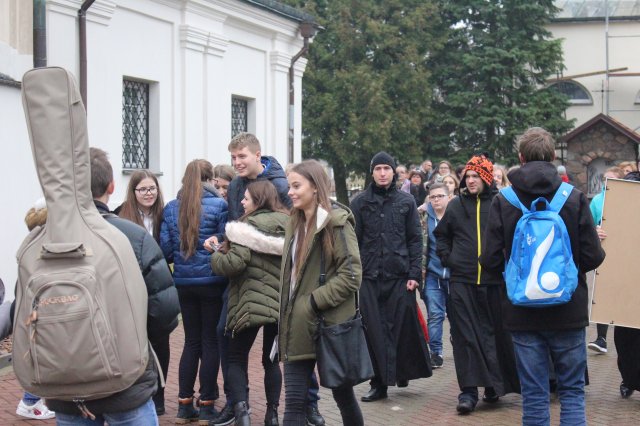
(382, 158)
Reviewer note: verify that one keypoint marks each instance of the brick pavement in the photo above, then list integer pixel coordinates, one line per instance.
(425, 402)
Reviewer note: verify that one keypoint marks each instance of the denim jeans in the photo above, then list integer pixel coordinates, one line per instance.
(569, 357)
(436, 291)
(30, 398)
(144, 415)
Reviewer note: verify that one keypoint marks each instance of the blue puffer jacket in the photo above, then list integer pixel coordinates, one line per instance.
(195, 270)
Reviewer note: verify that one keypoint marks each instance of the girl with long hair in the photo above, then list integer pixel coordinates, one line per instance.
(197, 213)
(445, 168)
(316, 230)
(144, 203)
(252, 263)
(453, 184)
(500, 176)
(223, 174)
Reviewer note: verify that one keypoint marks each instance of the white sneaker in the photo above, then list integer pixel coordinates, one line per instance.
(38, 411)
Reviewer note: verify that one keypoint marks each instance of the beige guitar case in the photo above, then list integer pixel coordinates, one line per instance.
(81, 302)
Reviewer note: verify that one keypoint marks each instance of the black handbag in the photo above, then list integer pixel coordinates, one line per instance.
(341, 349)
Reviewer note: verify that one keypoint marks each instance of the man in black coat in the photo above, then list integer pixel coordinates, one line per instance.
(482, 350)
(162, 307)
(555, 333)
(390, 241)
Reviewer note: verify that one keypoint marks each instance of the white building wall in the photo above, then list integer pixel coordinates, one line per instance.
(195, 54)
(583, 45)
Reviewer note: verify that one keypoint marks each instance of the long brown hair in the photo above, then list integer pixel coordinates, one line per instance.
(264, 196)
(313, 171)
(130, 208)
(197, 172)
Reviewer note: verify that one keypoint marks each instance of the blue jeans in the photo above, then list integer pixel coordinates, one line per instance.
(569, 357)
(436, 291)
(144, 415)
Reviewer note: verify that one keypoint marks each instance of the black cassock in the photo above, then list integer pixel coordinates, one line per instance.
(627, 342)
(482, 349)
(396, 342)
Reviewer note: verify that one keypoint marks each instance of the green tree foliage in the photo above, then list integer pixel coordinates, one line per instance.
(490, 76)
(366, 87)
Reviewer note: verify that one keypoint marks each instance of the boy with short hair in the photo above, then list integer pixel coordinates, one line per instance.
(557, 330)
(436, 287)
(250, 164)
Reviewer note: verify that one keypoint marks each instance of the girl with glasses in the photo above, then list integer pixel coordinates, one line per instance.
(143, 204)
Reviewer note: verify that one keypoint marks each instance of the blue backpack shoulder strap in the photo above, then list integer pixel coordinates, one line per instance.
(510, 195)
(561, 197)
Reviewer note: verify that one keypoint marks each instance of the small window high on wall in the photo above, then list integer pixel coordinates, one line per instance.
(576, 92)
(239, 115)
(135, 124)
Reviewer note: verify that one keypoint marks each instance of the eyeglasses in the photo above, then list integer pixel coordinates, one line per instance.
(145, 190)
(436, 196)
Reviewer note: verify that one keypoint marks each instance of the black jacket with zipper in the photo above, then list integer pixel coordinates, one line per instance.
(531, 181)
(459, 236)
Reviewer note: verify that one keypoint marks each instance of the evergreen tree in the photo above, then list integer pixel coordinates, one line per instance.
(366, 87)
(490, 76)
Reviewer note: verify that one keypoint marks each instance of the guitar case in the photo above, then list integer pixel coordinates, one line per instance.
(81, 302)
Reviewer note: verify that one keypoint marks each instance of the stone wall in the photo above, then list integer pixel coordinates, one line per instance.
(590, 153)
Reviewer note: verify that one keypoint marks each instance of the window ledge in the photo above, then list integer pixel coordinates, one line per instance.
(131, 171)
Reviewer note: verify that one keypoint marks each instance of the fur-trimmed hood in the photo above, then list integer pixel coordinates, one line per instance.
(248, 236)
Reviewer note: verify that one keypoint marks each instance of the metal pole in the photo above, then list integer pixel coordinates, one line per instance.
(82, 36)
(606, 49)
(39, 33)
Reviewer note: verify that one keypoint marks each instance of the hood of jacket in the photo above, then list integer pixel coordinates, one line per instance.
(339, 216)
(267, 239)
(272, 169)
(536, 177)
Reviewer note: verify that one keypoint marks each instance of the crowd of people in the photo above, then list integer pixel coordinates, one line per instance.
(248, 242)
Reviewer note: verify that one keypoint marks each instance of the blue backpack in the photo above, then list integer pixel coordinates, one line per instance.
(541, 271)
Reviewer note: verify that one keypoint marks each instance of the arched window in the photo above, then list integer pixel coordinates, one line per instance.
(576, 92)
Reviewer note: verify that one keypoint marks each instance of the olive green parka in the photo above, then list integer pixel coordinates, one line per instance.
(252, 265)
(335, 299)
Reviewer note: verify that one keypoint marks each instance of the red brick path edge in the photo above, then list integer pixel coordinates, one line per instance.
(429, 401)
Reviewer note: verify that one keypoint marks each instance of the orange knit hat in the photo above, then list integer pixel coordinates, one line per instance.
(481, 165)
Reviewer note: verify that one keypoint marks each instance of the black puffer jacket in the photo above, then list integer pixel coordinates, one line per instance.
(389, 233)
(458, 238)
(162, 317)
(531, 181)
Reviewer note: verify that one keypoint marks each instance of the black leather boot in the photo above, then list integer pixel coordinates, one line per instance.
(241, 410)
(271, 416)
(375, 394)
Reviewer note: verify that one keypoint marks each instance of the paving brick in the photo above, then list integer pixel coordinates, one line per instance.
(429, 401)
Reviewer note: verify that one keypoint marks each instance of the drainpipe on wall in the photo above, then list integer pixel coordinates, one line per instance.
(82, 35)
(307, 30)
(39, 33)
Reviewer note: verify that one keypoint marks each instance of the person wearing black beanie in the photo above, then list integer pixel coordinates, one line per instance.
(382, 158)
(390, 242)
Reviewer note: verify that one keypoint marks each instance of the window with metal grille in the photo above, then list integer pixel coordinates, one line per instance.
(135, 124)
(238, 116)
